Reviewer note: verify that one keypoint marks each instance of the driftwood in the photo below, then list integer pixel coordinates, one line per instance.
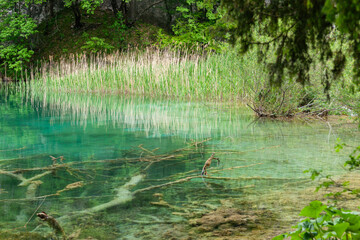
(53, 223)
(208, 163)
(123, 195)
(32, 183)
(12, 150)
(139, 156)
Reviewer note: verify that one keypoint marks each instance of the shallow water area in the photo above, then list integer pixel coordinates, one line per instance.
(108, 167)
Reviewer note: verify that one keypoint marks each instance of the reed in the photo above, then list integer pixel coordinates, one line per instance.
(198, 75)
(152, 72)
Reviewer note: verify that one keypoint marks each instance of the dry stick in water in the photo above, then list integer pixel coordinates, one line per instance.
(208, 163)
(24, 181)
(10, 150)
(124, 195)
(51, 221)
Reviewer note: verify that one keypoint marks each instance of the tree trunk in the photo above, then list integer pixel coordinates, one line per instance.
(115, 7)
(77, 14)
(132, 10)
(51, 8)
(169, 16)
(124, 12)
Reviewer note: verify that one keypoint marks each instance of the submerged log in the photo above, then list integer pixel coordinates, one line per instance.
(123, 196)
(31, 190)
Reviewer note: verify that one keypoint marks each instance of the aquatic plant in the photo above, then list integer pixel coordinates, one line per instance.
(330, 222)
(333, 224)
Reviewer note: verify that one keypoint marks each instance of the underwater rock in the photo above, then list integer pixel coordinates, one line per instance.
(230, 221)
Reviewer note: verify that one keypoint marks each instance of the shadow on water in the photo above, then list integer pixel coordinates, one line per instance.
(109, 167)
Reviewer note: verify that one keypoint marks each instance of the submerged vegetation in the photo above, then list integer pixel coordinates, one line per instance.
(91, 169)
(123, 191)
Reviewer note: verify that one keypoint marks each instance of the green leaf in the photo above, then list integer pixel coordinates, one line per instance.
(341, 228)
(314, 173)
(329, 235)
(280, 237)
(295, 235)
(309, 4)
(313, 210)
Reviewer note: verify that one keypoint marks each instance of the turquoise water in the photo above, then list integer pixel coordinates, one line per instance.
(102, 139)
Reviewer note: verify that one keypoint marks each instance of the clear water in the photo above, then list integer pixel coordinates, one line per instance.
(86, 129)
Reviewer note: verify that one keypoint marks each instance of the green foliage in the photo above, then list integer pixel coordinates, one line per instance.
(119, 29)
(88, 5)
(354, 161)
(339, 145)
(271, 101)
(156, 73)
(95, 44)
(314, 173)
(325, 222)
(313, 210)
(327, 182)
(346, 16)
(328, 222)
(300, 33)
(15, 30)
(192, 27)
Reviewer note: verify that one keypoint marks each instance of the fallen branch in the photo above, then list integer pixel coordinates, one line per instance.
(11, 150)
(51, 221)
(165, 184)
(12, 174)
(67, 188)
(123, 195)
(24, 181)
(145, 150)
(23, 158)
(208, 163)
(193, 144)
(30, 180)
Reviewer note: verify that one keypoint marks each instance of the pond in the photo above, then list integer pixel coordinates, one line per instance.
(109, 167)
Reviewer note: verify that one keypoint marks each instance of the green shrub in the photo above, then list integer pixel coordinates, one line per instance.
(96, 44)
(324, 222)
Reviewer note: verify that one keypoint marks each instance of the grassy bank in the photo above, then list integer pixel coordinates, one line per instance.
(154, 73)
(151, 73)
(183, 75)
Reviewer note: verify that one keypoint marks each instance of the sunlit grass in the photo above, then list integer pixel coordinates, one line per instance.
(206, 76)
(152, 73)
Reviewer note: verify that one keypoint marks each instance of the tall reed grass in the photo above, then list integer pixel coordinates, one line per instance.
(152, 73)
(181, 75)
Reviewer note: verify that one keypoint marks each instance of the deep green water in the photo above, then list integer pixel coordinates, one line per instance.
(89, 128)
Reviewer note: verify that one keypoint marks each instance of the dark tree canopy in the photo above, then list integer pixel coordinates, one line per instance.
(300, 32)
